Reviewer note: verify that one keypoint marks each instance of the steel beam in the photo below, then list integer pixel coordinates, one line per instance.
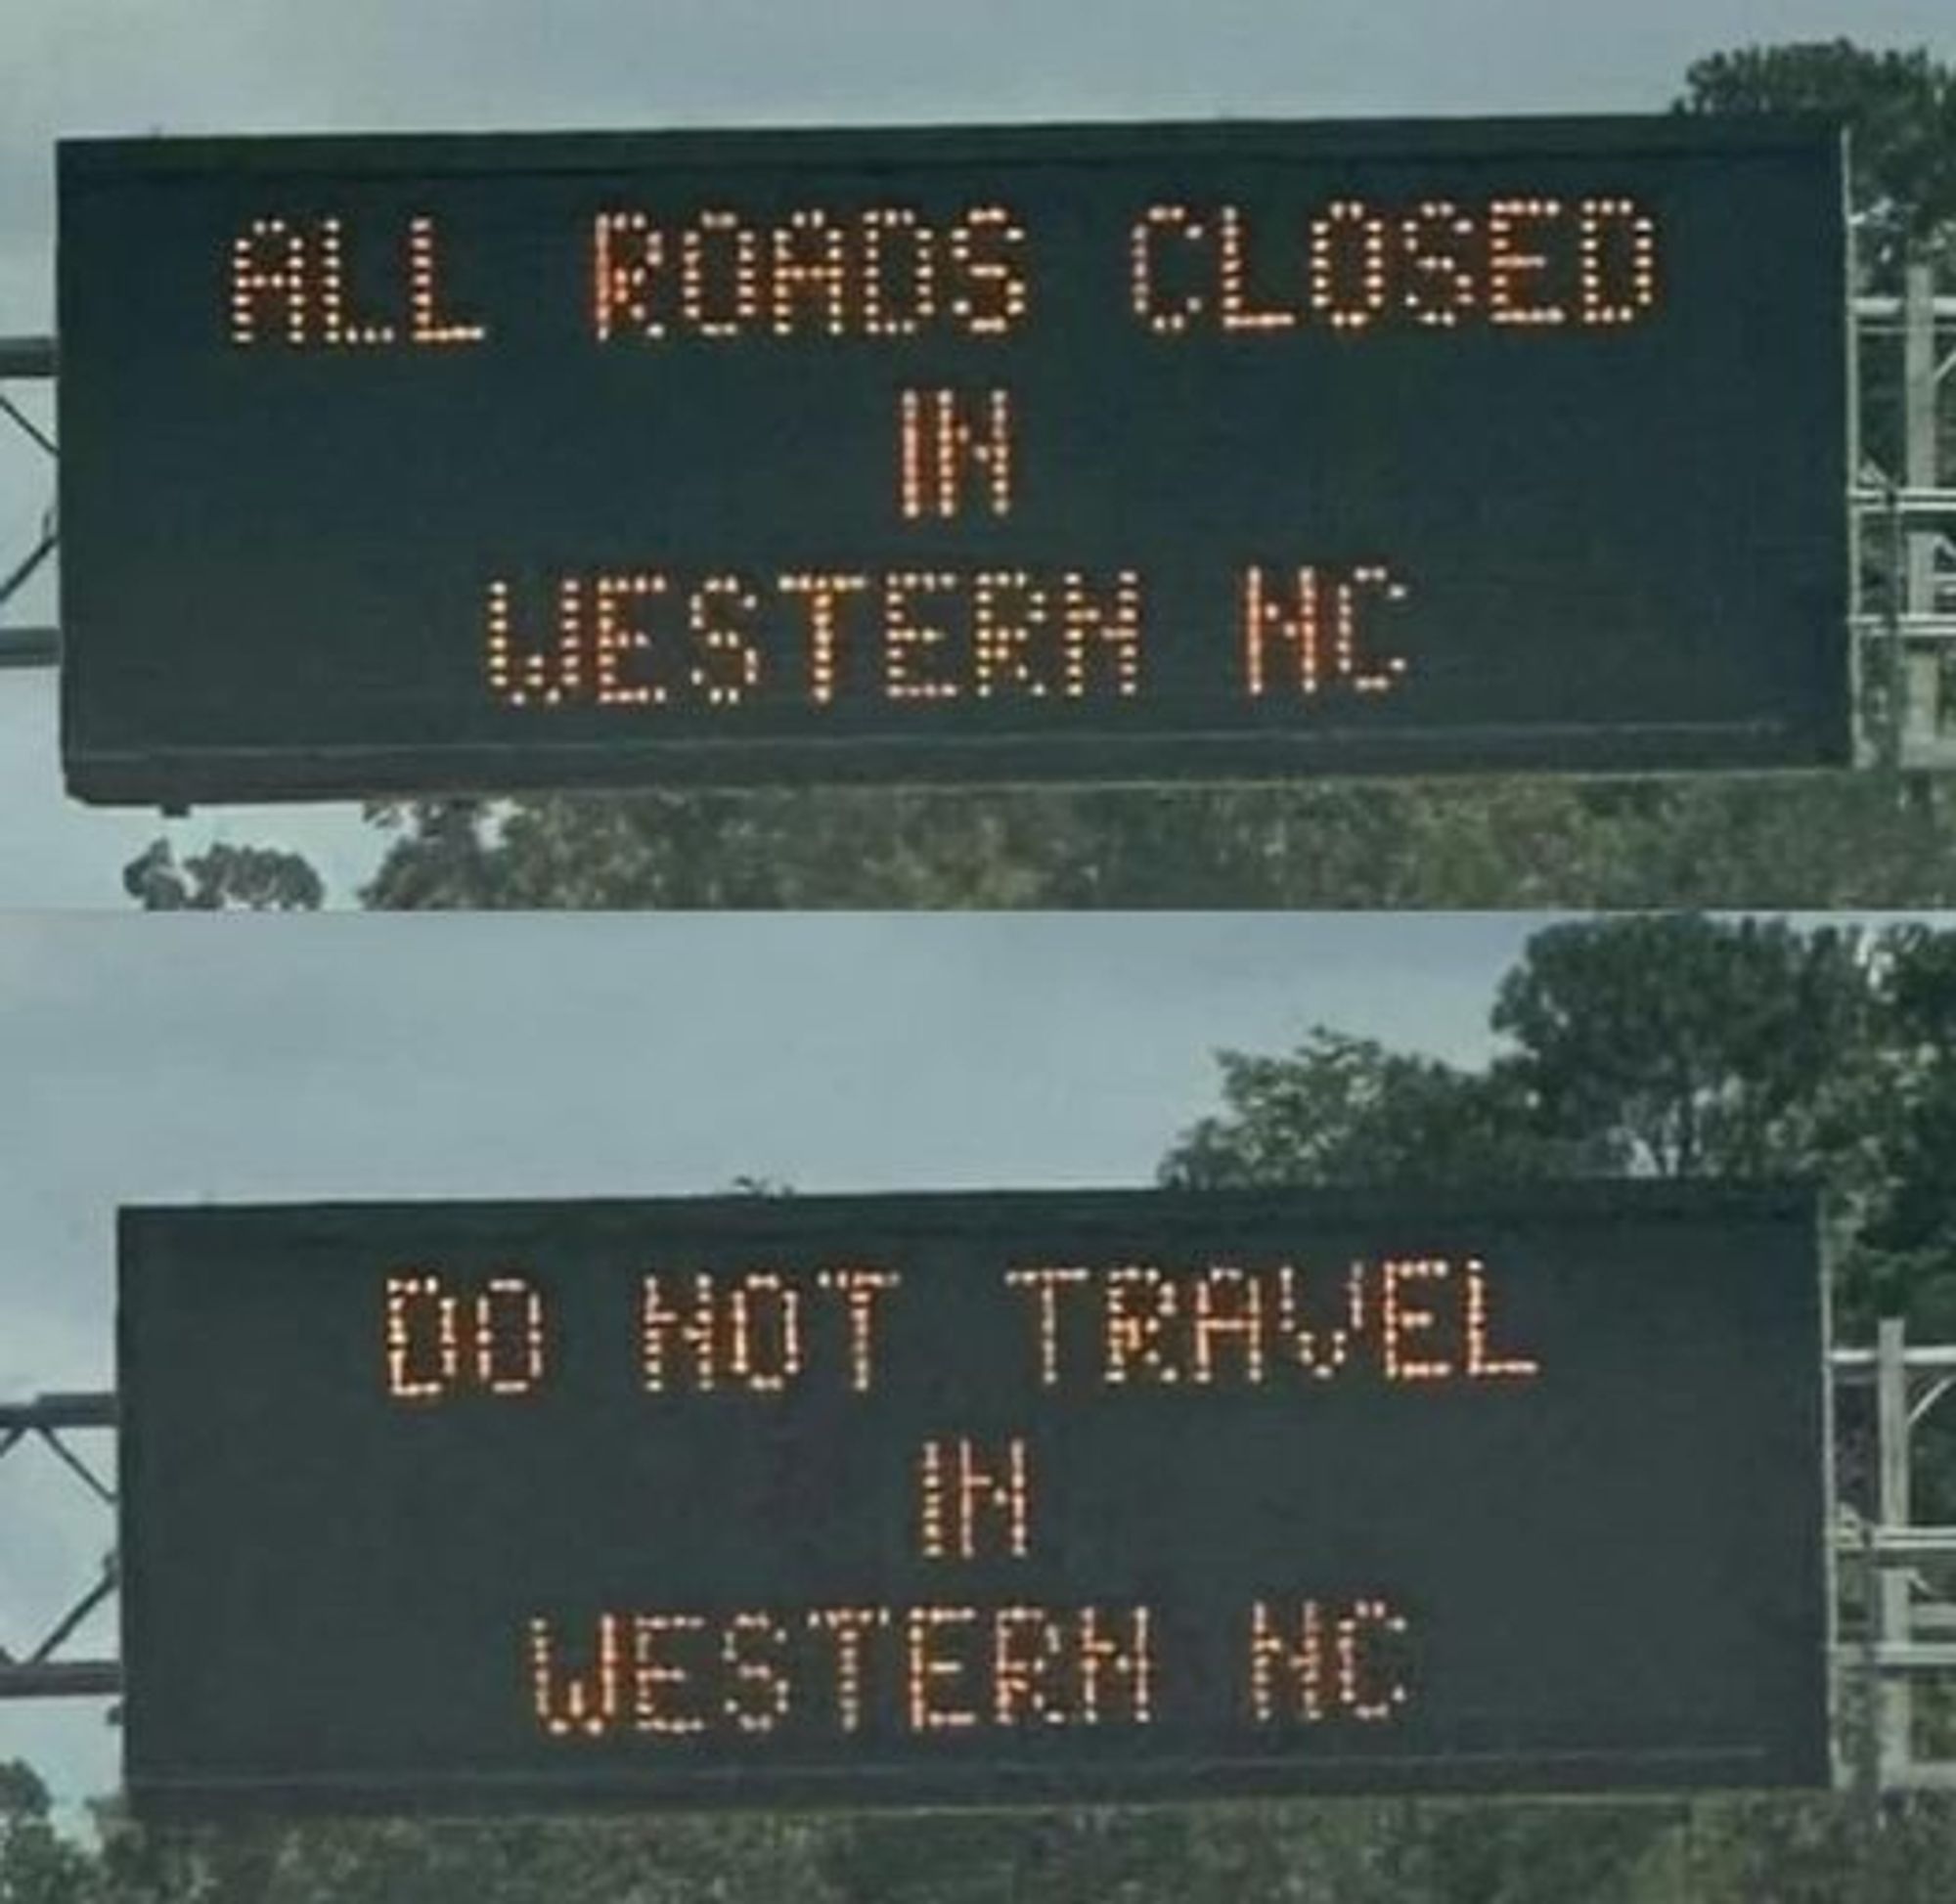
(1912, 500)
(33, 357)
(1902, 1544)
(1913, 628)
(30, 647)
(1909, 1657)
(94, 1408)
(60, 1679)
(1889, 310)
(1858, 1365)
(1894, 1652)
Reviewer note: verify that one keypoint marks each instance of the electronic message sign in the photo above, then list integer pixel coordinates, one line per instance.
(971, 1498)
(1109, 453)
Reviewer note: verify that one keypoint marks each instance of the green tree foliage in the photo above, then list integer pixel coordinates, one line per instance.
(1681, 1045)
(1817, 1852)
(37, 1865)
(1346, 1110)
(1910, 1228)
(521, 1862)
(1798, 840)
(256, 878)
(1668, 1044)
(1656, 1044)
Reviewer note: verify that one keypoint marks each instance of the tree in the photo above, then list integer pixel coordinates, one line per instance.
(1803, 840)
(37, 1865)
(1346, 1110)
(1650, 1044)
(1910, 1231)
(623, 1861)
(1683, 1045)
(256, 878)
(1658, 1045)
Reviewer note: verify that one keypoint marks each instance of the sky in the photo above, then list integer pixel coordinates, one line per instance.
(182, 67)
(364, 1056)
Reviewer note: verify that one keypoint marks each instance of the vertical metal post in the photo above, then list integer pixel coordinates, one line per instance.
(1894, 699)
(1868, 1759)
(1922, 705)
(26, 647)
(1894, 1713)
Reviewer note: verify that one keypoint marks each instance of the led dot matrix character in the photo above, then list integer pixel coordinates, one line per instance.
(291, 283)
(763, 1331)
(437, 1339)
(720, 275)
(1319, 1662)
(1407, 1321)
(970, 1498)
(1352, 269)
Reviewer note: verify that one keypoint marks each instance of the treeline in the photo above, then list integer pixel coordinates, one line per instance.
(1783, 1851)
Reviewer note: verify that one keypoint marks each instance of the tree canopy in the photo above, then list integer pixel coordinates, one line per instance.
(1656, 1044)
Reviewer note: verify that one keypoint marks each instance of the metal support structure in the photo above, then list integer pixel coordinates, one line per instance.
(27, 357)
(30, 647)
(1907, 1619)
(42, 1671)
(1905, 604)
(26, 360)
(1894, 1692)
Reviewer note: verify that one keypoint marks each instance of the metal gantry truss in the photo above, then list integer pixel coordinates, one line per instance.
(1894, 1623)
(1895, 1631)
(1904, 586)
(26, 360)
(45, 1668)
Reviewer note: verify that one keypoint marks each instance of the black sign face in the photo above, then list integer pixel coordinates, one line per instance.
(980, 1498)
(1113, 453)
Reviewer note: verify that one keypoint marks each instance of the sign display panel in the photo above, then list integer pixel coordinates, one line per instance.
(977, 1499)
(1107, 453)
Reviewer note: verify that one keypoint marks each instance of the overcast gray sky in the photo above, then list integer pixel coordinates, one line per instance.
(72, 66)
(232, 1059)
